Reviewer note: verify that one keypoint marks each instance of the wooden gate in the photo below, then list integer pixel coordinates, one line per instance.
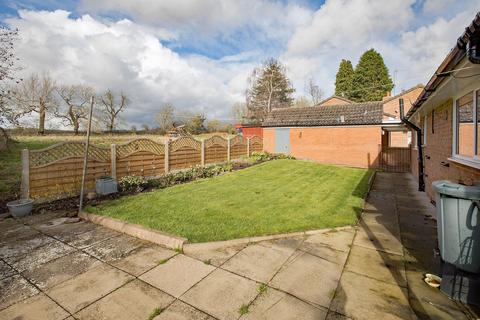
(395, 159)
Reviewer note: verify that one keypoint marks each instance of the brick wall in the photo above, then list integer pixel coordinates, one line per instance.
(334, 102)
(350, 146)
(398, 139)
(439, 149)
(392, 106)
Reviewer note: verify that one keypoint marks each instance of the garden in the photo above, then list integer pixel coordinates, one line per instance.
(272, 197)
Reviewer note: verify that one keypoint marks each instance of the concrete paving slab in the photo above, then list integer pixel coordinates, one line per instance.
(215, 254)
(287, 245)
(135, 300)
(182, 311)
(13, 250)
(66, 232)
(257, 262)
(143, 259)
(5, 270)
(34, 308)
(89, 238)
(177, 275)
(14, 289)
(50, 274)
(338, 240)
(276, 305)
(369, 237)
(41, 255)
(41, 217)
(378, 265)
(325, 252)
(336, 316)
(221, 294)
(15, 232)
(309, 278)
(115, 248)
(361, 298)
(79, 292)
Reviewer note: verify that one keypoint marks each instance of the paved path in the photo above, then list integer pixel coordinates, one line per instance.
(53, 270)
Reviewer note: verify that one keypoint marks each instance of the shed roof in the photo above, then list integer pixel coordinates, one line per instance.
(334, 97)
(337, 115)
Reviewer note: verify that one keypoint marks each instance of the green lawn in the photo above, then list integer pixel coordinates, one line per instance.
(11, 165)
(274, 197)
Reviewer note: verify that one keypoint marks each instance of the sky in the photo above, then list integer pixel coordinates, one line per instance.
(198, 54)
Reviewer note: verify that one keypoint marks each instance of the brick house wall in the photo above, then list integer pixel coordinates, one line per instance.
(356, 146)
(439, 148)
(391, 105)
(398, 139)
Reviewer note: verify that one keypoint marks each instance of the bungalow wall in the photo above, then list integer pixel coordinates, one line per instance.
(438, 150)
(355, 146)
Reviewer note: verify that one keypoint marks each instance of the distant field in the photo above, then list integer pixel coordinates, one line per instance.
(10, 160)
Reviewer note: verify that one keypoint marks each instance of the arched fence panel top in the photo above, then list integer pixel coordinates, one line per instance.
(238, 140)
(216, 140)
(256, 139)
(185, 142)
(131, 147)
(65, 150)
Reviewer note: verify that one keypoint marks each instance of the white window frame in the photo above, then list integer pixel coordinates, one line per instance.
(455, 156)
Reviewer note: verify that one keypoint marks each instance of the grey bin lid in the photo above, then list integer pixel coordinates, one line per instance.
(456, 190)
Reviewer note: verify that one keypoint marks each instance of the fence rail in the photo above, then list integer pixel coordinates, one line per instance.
(395, 159)
(56, 171)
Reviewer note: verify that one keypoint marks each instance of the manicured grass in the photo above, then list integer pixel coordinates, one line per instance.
(274, 197)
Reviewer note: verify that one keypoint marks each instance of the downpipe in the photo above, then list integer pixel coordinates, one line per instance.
(421, 181)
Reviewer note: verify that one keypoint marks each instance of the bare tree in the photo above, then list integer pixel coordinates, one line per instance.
(301, 102)
(35, 95)
(268, 88)
(111, 108)
(239, 111)
(314, 91)
(164, 117)
(74, 108)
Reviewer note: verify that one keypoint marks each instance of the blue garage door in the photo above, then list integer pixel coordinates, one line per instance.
(282, 140)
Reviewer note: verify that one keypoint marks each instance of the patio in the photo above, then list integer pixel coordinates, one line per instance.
(51, 270)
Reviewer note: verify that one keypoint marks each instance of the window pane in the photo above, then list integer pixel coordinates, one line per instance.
(465, 129)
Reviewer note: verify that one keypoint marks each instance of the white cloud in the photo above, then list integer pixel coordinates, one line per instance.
(125, 56)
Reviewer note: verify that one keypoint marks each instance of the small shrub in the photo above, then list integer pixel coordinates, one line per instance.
(258, 157)
(262, 288)
(132, 184)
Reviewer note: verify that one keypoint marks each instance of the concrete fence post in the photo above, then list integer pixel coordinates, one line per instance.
(113, 161)
(228, 150)
(202, 153)
(167, 155)
(248, 147)
(25, 184)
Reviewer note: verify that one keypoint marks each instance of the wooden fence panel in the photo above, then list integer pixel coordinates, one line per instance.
(216, 150)
(185, 152)
(56, 171)
(141, 157)
(238, 147)
(256, 144)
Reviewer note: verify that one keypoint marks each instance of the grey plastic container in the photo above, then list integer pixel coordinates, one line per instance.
(458, 224)
(20, 208)
(106, 186)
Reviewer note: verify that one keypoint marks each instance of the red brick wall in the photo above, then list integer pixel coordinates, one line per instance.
(350, 146)
(439, 148)
(391, 107)
(398, 139)
(334, 101)
(252, 131)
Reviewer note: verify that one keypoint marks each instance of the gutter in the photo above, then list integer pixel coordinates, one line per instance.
(444, 70)
(421, 181)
